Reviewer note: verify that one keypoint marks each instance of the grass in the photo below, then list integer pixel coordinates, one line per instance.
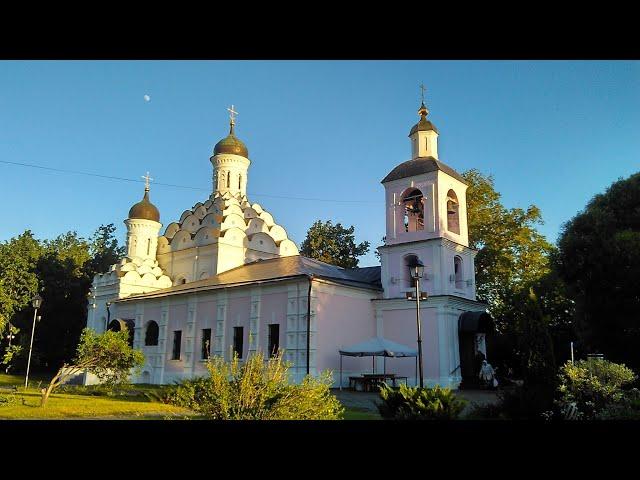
(82, 402)
(352, 413)
(93, 402)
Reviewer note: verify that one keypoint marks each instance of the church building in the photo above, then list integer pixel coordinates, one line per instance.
(225, 279)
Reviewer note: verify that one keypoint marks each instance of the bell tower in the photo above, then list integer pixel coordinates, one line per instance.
(426, 217)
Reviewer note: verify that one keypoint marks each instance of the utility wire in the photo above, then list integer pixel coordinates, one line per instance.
(124, 179)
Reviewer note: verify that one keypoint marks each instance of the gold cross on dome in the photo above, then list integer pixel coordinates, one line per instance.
(147, 179)
(423, 88)
(232, 112)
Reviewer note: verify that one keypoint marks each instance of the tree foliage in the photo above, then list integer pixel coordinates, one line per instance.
(513, 257)
(599, 260)
(18, 275)
(259, 389)
(333, 244)
(512, 254)
(107, 355)
(61, 270)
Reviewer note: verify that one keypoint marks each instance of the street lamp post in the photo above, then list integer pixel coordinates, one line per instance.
(108, 304)
(36, 302)
(417, 270)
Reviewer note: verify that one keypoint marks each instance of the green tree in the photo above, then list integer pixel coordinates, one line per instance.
(106, 355)
(63, 273)
(18, 275)
(599, 260)
(512, 258)
(103, 250)
(62, 270)
(333, 244)
(512, 254)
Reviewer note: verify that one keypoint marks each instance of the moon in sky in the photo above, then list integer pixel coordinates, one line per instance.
(147, 98)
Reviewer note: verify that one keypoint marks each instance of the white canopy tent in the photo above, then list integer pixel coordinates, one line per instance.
(377, 347)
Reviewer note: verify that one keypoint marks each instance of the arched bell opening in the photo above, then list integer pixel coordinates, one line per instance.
(412, 201)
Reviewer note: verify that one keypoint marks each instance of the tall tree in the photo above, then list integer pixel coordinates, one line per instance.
(333, 244)
(512, 254)
(512, 258)
(62, 271)
(104, 250)
(599, 260)
(18, 275)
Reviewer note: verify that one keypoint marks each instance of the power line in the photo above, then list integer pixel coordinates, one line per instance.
(124, 179)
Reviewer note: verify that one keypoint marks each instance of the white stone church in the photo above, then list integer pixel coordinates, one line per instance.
(225, 278)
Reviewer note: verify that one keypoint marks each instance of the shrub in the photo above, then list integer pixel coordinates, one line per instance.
(592, 385)
(526, 402)
(627, 408)
(413, 403)
(257, 390)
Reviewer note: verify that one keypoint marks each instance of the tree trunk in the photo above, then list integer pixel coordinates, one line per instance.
(58, 379)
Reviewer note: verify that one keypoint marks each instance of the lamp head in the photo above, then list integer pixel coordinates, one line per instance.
(416, 268)
(36, 301)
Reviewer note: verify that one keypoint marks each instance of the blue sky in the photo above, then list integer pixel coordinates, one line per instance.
(552, 133)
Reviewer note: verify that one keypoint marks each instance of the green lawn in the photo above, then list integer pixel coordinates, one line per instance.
(360, 414)
(83, 404)
(89, 402)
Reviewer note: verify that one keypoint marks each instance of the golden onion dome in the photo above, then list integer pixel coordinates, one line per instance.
(144, 209)
(423, 124)
(231, 144)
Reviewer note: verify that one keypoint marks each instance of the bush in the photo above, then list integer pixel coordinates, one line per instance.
(591, 385)
(526, 402)
(627, 408)
(413, 403)
(257, 390)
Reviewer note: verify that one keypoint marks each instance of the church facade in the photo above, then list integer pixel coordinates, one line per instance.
(225, 279)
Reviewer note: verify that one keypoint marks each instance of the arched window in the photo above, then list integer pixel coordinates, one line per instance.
(453, 217)
(413, 203)
(148, 246)
(151, 335)
(228, 180)
(457, 268)
(239, 182)
(221, 180)
(408, 280)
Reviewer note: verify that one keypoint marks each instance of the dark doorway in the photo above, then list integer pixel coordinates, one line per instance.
(470, 326)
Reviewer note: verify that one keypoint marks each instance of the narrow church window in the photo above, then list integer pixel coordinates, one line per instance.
(206, 343)
(239, 181)
(274, 339)
(228, 180)
(457, 267)
(148, 246)
(237, 341)
(177, 341)
(413, 203)
(151, 335)
(453, 217)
